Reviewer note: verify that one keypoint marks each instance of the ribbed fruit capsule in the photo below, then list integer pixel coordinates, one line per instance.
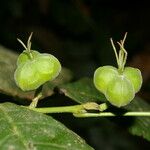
(102, 77)
(135, 77)
(120, 91)
(118, 85)
(34, 68)
(32, 73)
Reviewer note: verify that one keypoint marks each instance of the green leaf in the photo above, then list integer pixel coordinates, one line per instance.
(23, 129)
(140, 125)
(8, 86)
(84, 91)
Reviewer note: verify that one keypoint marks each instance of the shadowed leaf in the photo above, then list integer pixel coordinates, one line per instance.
(84, 91)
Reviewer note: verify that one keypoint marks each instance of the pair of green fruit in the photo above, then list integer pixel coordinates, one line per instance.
(34, 68)
(118, 85)
(118, 88)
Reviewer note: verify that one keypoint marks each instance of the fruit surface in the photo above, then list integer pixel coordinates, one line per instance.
(119, 85)
(24, 56)
(120, 91)
(135, 77)
(32, 73)
(102, 77)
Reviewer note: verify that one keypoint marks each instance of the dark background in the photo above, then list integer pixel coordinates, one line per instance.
(78, 33)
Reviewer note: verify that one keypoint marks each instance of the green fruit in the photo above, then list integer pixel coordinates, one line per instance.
(48, 66)
(24, 56)
(102, 77)
(118, 88)
(118, 85)
(120, 91)
(135, 77)
(34, 68)
(32, 73)
(26, 77)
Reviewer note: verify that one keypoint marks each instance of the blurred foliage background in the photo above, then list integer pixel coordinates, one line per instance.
(78, 33)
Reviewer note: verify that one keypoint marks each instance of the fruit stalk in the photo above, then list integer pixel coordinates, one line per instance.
(38, 95)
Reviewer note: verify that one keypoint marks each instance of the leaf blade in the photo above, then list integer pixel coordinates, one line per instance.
(141, 125)
(82, 91)
(24, 129)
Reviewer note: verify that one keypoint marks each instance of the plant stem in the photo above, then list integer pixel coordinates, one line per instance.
(81, 111)
(61, 109)
(83, 108)
(110, 114)
(38, 95)
(35, 101)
